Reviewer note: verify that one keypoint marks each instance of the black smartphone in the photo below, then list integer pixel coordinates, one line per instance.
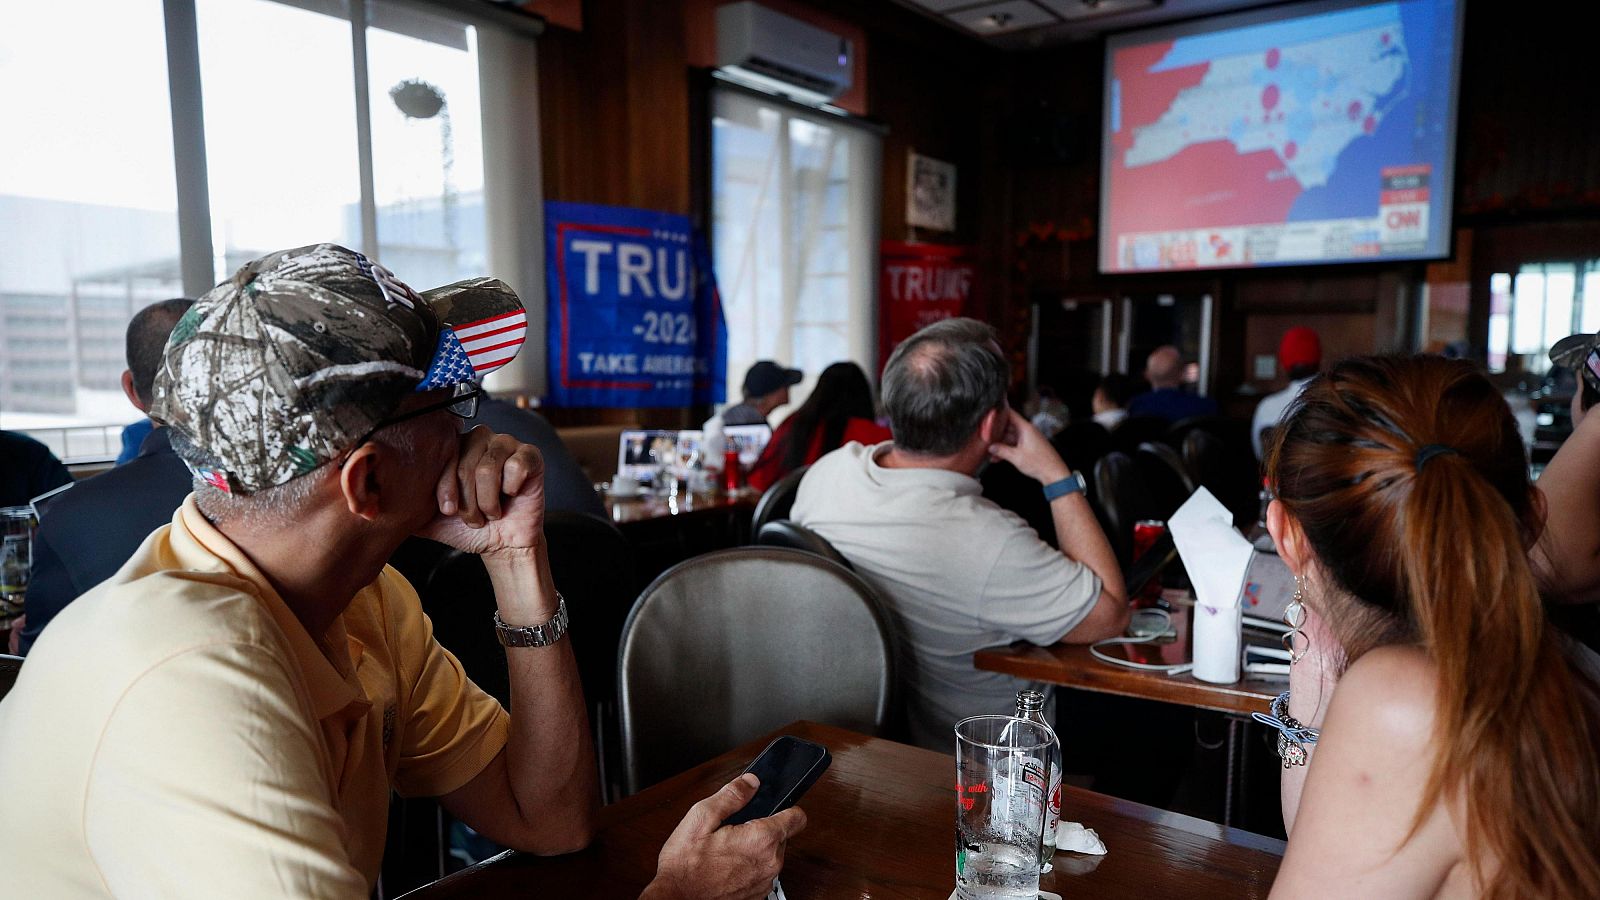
(787, 769)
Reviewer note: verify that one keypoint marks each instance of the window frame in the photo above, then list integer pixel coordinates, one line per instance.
(862, 317)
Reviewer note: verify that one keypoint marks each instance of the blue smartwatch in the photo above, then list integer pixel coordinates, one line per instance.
(1072, 484)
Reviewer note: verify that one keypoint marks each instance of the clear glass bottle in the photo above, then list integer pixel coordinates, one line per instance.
(1030, 706)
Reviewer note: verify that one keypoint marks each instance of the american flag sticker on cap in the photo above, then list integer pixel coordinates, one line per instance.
(469, 352)
(491, 343)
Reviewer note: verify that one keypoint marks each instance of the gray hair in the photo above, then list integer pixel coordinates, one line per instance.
(284, 505)
(940, 383)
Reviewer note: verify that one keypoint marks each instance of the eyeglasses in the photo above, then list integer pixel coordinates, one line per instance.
(463, 404)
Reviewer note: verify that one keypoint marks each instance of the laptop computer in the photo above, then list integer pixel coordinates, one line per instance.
(640, 453)
(1268, 587)
(750, 441)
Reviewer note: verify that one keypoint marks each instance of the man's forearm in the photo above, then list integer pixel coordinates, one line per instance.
(1078, 532)
(1567, 557)
(550, 756)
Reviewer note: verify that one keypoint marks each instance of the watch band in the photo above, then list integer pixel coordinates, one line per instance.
(542, 635)
(1072, 484)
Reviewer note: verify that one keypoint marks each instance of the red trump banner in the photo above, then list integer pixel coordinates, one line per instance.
(921, 284)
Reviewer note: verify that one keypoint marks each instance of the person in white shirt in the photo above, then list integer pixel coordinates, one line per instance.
(1111, 399)
(766, 387)
(1300, 357)
(957, 572)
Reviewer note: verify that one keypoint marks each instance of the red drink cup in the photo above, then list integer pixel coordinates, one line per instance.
(732, 475)
(1145, 534)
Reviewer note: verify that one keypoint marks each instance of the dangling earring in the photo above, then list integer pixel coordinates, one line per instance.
(1294, 616)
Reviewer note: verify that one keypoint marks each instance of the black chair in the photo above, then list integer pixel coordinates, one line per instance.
(1232, 475)
(1136, 430)
(728, 646)
(784, 533)
(10, 668)
(1215, 425)
(1122, 499)
(1163, 459)
(777, 500)
(1011, 490)
(592, 565)
(1166, 482)
(1207, 461)
(1081, 444)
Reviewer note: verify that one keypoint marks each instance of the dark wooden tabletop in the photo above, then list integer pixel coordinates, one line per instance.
(1074, 666)
(645, 507)
(882, 825)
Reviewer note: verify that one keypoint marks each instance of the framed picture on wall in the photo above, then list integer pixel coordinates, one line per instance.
(930, 193)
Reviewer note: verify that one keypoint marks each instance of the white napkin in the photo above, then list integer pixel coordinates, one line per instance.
(1216, 556)
(1078, 839)
(777, 891)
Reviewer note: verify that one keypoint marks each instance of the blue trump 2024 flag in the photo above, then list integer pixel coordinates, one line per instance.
(634, 315)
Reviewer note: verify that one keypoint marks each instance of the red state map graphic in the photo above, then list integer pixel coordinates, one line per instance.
(1205, 185)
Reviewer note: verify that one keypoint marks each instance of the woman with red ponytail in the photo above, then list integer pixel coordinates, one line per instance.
(1438, 740)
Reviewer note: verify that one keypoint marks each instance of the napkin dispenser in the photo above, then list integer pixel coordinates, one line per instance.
(1217, 558)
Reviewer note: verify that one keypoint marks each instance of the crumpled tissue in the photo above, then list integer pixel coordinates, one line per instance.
(1078, 839)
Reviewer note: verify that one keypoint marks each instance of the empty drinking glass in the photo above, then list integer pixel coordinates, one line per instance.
(1002, 771)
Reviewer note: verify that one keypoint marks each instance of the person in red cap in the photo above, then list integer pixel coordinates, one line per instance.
(1300, 357)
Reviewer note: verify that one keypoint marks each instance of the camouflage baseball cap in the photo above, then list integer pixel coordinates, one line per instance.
(304, 352)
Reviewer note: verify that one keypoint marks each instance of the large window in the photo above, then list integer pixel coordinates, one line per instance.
(795, 197)
(1538, 305)
(88, 206)
(299, 145)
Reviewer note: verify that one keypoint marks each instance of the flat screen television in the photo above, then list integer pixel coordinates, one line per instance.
(1305, 133)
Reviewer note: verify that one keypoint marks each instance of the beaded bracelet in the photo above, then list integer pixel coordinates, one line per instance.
(1293, 735)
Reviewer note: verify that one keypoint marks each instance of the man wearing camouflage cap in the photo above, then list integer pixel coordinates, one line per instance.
(230, 711)
(1567, 556)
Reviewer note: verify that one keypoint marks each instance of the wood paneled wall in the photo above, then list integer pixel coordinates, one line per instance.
(624, 119)
(615, 128)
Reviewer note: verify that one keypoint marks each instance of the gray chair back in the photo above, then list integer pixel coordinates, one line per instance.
(784, 533)
(777, 500)
(728, 646)
(10, 668)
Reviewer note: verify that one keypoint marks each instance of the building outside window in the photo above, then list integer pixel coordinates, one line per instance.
(89, 204)
(1536, 306)
(795, 203)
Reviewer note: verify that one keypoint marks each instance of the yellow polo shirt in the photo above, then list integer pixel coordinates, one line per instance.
(176, 732)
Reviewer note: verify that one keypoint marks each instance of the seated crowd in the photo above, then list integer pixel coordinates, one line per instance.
(250, 680)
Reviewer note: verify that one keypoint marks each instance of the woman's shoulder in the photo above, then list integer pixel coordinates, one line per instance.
(1388, 696)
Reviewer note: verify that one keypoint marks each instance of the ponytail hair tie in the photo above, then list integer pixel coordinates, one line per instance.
(1432, 450)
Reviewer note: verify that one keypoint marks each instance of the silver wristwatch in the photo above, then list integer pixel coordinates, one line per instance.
(542, 635)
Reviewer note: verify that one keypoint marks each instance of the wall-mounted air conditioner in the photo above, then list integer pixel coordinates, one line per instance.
(778, 54)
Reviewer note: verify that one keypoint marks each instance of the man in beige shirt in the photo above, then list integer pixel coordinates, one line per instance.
(957, 572)
(228, 713)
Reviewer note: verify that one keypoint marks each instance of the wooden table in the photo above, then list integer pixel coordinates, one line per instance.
(646, 507)
(1075, 667)
(882, 824)
(665, 531)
